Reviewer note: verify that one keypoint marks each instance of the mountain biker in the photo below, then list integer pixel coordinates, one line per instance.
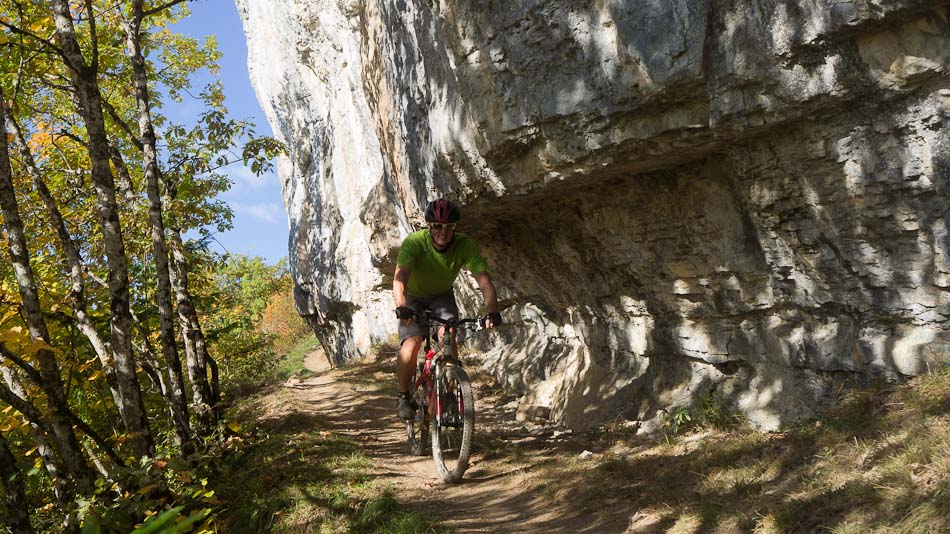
(428, 263)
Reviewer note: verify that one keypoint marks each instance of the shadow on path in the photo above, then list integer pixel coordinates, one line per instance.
(497, 493)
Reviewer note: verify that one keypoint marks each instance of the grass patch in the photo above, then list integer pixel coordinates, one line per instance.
(293, 474)
(877, 461)
(292, 364)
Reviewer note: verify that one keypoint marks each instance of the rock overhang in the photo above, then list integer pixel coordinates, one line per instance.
(678, 199)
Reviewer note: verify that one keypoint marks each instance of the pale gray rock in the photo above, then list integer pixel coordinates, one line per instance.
(677, 198)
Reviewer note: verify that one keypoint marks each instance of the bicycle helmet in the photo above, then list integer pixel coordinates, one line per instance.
(442, 211)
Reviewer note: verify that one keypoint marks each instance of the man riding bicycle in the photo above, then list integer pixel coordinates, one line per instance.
(428, 263)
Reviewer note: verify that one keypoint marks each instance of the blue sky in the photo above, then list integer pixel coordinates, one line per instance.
(260, 221)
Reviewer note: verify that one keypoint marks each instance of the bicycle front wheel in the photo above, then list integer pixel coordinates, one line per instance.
(453, 423)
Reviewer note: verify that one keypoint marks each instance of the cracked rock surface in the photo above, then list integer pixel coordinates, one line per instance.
(678, 200)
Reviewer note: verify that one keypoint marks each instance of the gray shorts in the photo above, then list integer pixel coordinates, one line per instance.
(442, 306)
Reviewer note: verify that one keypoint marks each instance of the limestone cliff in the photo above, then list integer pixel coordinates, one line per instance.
(677, 198)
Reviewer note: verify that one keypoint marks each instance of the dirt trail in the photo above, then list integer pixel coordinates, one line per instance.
(500, 491)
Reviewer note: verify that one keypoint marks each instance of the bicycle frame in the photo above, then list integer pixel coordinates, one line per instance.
(427, 378)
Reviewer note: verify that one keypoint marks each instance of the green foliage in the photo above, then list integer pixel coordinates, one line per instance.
(233, 307)
(711, 412)
(171, 522)
(680, 419)
(248, 283)
(281, 320)
(385, 515)
(168, 522)
(38, 94)
(167, 494)
(259, 153)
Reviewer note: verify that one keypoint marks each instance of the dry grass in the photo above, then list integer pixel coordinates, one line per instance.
(293, 474)
(878, 461)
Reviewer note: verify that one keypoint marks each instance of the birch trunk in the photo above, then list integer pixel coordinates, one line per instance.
(48, 374)
(196, 351)
(176, 390)
(73, 258)
(41, 432)
(131, 406)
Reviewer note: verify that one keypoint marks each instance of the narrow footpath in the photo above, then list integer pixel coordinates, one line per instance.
(500, 491)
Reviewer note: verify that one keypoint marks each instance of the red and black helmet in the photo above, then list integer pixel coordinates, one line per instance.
(442, 211)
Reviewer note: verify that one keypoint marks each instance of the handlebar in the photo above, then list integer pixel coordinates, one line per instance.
(477, 321)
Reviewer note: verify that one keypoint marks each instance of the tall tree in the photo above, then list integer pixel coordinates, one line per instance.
(176, 388)
(85, 82)
(67, 244)
(79, 74)
(196, 347)
(48, 377)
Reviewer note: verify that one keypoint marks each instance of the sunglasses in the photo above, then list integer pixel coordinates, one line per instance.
(439, 226)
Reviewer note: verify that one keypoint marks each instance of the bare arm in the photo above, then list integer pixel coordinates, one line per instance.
(400, 279)
(488, 293)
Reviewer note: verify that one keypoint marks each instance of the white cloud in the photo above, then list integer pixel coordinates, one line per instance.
(244, 179)
(270, 212)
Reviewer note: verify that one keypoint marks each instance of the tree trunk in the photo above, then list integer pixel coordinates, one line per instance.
(215, 381)
(131, 406)
(150, 362)
(41, 432)
(196, 351)
(163, 295)
(156, 373)
(48, 375)
(73, 259)
(17, 516)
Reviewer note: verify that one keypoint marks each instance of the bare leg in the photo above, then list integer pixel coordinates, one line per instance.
(406, 362)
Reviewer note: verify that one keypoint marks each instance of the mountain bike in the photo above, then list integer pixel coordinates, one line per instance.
(445, 406)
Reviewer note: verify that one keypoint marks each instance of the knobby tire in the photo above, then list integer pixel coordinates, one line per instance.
(417, 428)
(452, 433)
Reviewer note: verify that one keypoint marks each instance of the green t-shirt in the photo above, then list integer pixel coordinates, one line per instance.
(433, 272)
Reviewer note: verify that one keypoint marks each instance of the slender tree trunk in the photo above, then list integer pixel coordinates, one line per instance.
(215, 381)
(77, 289)
(195, 346)
(73, 259)
(131, 406)
(60, 406)
(163, 295)
(64, 486)
(151, 365)
(17, 516)
(48, 375)
(41, 432)
(123, 180)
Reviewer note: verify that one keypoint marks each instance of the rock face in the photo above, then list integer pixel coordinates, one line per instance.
(679, 199)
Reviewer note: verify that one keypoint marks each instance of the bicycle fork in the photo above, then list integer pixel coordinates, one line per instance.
(448, 404)
(429, 379)
(424, 381)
